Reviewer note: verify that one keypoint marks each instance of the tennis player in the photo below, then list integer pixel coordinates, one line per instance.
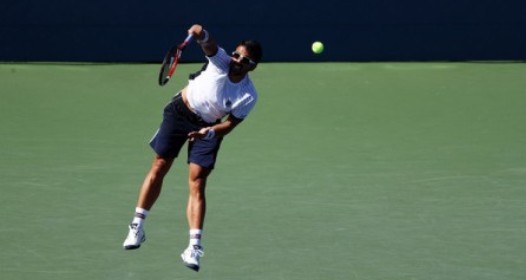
(215, 100)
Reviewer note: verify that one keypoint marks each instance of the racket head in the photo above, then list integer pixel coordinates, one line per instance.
(170, 61)
(168, 66)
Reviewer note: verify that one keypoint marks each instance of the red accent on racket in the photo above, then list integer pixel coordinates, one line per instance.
(170, 61)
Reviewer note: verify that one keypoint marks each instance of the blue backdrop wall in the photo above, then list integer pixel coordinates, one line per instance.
(372, 30)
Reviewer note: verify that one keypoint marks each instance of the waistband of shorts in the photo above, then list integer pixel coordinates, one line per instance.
(183, 110)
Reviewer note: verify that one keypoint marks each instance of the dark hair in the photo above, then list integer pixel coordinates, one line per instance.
(254, 49)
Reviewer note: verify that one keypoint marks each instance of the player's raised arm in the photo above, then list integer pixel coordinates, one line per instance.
(204, 39)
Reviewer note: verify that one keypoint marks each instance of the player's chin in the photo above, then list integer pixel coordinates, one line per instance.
(236, 68)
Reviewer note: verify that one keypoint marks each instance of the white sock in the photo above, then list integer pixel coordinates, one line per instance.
(140, 216)
(195, 237)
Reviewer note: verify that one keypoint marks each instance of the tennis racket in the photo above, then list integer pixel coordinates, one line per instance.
(170, 61)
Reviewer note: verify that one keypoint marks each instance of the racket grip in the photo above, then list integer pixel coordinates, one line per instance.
(188, 38)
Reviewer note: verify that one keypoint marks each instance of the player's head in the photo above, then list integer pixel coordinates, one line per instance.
(255, 52)
(245, 58)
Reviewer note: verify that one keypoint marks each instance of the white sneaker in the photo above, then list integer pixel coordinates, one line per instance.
(191, 256)
(135, 237)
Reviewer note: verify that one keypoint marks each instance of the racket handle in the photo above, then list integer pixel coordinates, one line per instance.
(182, 46)
(188, 38)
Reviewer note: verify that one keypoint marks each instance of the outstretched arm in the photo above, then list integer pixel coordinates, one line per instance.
(204, 39)
(218, 130)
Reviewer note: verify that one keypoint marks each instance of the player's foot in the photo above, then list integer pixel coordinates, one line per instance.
(135, 237)
(191, 256)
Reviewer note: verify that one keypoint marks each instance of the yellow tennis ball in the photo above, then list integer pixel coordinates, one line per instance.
(317, 47)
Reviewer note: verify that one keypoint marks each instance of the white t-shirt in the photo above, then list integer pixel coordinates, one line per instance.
(212, 95)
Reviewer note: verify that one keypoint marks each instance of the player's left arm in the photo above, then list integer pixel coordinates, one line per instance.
(218, 130)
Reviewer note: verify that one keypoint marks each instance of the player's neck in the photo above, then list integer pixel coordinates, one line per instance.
(236, 78)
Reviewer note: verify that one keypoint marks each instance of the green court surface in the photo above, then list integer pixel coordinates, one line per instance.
(343, 171)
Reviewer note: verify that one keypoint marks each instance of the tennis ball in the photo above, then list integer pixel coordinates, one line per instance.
(317, 47)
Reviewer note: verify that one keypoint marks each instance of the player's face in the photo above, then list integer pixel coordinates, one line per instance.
(241, 62)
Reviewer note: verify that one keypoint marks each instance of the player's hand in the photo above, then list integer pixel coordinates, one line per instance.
(204, 39)
(201, 133)
(196, 30)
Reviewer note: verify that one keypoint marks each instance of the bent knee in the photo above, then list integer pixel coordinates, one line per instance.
(161, 166)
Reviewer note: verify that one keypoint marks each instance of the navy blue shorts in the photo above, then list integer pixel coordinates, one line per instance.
(177, 122)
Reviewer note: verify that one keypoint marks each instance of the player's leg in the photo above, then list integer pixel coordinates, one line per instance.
(166, 143)
(201, 159)
(152, 185)
(148, 194)
(195, 212)
(196, 207)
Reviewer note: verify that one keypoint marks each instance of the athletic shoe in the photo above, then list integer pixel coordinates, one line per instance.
(191, 256)
(135, 237)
